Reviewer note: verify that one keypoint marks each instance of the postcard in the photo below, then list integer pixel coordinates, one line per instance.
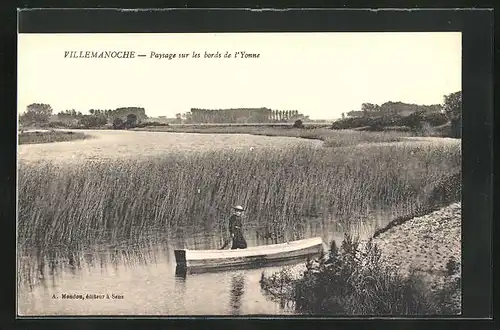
(178, 174)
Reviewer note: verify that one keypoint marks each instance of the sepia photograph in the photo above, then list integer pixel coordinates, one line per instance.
(239, 174)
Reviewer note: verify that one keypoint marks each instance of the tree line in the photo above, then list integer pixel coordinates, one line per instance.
(392, 108)
(412, 116)
(41, 114)
(238, 115)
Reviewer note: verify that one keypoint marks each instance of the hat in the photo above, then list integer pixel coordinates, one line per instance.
(238, 208)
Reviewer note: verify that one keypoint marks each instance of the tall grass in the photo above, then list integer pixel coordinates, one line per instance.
(115, 201)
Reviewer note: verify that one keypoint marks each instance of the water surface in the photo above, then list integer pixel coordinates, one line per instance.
(143, 280)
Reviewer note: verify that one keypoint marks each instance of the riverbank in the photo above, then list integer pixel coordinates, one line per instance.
(425, 250)
(429, 245)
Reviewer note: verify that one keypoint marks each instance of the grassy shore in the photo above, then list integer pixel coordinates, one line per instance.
(33, 137)
(114, 201)
(318, 132)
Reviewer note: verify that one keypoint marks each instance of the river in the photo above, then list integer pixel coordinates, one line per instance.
(141, 279)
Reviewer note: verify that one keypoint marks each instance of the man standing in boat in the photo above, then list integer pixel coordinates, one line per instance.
(236, 228)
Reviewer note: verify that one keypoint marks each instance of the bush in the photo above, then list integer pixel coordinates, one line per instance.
(415, 122)
(54, 124)
(353, 280)
(148, 124)
(435, 118)
(118, 123)
(298, 124)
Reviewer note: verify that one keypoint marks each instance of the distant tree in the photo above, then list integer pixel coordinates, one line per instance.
(88, 121)
(298, 124)
(131, 119)
(368, 107)
(414, 120)
(453, 109)
(117, 123)
(343, 115)
(453, 105)
(37, 113)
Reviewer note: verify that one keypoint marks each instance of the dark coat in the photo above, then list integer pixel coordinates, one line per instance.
(236, 229)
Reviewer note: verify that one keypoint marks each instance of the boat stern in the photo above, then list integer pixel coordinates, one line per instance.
(180, 258)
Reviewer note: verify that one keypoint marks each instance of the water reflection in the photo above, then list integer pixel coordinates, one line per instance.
(145, 273)
(180, 272)
(237, 291)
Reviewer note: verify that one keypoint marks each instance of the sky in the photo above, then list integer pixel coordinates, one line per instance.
(320, 74)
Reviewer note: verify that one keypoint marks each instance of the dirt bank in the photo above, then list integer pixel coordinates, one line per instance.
(425, 243)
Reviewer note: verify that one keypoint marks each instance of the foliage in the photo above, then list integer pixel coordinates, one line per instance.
(242, 115)
(117, 200)
(435, 119)
(298, 124)
(392, 109)
(131, 120)
(99, 118)
(453, 109)
(420, 119)
(118, 123)
(36, 113)
(416, 121)
(453, 105)
(354, 280)
(90, 121)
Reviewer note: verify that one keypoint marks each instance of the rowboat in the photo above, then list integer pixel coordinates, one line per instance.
(194, 261)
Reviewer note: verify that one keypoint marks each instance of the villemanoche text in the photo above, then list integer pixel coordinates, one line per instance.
(128, 54)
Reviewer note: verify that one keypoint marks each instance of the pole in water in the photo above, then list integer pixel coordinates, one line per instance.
(225, 244)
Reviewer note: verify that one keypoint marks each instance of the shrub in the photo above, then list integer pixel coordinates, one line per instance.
(118, 123)
(54, 124)
(415, 121)
(298, 124)
(435, 118)
(353, 280)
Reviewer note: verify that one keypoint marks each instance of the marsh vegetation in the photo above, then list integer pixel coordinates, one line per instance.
(48, 136)
(67, 212)
(116, 200)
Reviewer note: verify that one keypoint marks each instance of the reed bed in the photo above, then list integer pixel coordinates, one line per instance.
(62, 208)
